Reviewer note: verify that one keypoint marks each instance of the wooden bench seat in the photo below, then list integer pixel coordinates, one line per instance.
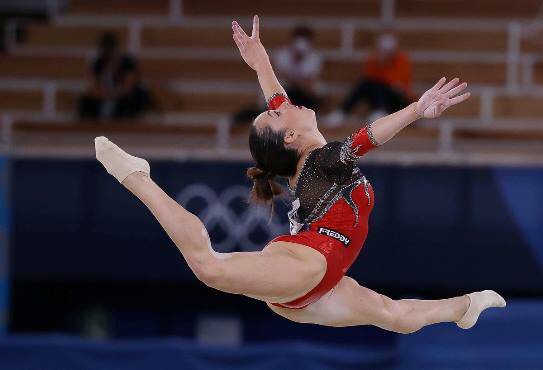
(227, 103)
(334, 71)
(132, 135)
(467, 9)
(412, 40)
(538, 73)
(119, 7)
(220, 36)
(233, 69)
(38, 34)
(42, 67)
(531, 41)
(113, 127)
(502, 134)
(518, 107)
(440, 40)
(11, 100)
(426, 72)
(172, 101)
(299, 8)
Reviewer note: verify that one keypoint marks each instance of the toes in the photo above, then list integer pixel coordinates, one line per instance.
(100, 139)
(101, 142)
(500, 301)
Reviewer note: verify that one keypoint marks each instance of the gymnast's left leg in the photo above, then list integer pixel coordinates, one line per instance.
(277, 274)
(350, 304)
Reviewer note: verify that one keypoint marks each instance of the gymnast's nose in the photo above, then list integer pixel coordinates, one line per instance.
(288, 106)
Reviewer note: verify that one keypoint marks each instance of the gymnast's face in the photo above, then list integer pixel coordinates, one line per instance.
(296, 120)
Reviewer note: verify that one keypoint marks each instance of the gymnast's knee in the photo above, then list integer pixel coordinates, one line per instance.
(400, 319)
(203, 262)
(403, 327)
(208, 271)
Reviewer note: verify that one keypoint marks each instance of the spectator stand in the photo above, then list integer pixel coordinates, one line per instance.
(181, 44)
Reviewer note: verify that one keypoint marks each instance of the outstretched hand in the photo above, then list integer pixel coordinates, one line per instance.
(251, 49)
(440, 97)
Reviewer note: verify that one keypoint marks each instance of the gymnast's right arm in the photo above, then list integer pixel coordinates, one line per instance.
(430, 105)
(254, 54)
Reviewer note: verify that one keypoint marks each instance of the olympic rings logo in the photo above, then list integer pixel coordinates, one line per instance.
(229, 212)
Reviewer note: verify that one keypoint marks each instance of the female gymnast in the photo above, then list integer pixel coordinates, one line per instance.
(302, 276)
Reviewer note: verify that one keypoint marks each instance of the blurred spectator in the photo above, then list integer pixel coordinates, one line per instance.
(385, 84)
(115, 89)
(299, 66)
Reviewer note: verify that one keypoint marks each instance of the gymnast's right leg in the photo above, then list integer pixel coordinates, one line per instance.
(278, 274)
(350, 304)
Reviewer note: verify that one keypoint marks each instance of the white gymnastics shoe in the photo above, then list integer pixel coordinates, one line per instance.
(479, 301)
(117, 162)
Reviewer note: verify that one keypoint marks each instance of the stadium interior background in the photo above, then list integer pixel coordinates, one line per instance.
(88, 279)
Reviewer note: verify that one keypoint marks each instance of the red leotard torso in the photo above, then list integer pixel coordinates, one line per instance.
(332, 205)
(339, 219)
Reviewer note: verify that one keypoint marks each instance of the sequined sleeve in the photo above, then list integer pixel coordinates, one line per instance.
(277, 100)
(358, 144)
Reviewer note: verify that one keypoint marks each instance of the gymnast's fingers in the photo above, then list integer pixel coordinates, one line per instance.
(449, 85)
(239, 29)
(438, 85)
(256, 27)
(455, 91)
(238, 42)
(459, 98)
(235, 28)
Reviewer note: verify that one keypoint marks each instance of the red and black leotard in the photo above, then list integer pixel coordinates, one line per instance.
(331, 207)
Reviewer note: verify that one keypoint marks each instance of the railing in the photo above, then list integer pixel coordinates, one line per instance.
(519, 66)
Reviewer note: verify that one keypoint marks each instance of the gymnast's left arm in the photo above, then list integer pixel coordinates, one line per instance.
(430, 105)
(255, 55)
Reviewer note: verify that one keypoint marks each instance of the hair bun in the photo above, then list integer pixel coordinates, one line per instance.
(257, 174)
(264, 185)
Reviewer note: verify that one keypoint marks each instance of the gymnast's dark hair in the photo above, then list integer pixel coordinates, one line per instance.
(272, 159)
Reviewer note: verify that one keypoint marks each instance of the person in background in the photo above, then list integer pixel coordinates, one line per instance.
(385, 85)
(299, 67)
(115, 90)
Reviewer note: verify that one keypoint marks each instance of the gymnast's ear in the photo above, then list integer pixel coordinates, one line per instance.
(290, 136)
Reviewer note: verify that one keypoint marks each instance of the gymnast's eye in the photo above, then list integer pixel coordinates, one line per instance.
(277, 112)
